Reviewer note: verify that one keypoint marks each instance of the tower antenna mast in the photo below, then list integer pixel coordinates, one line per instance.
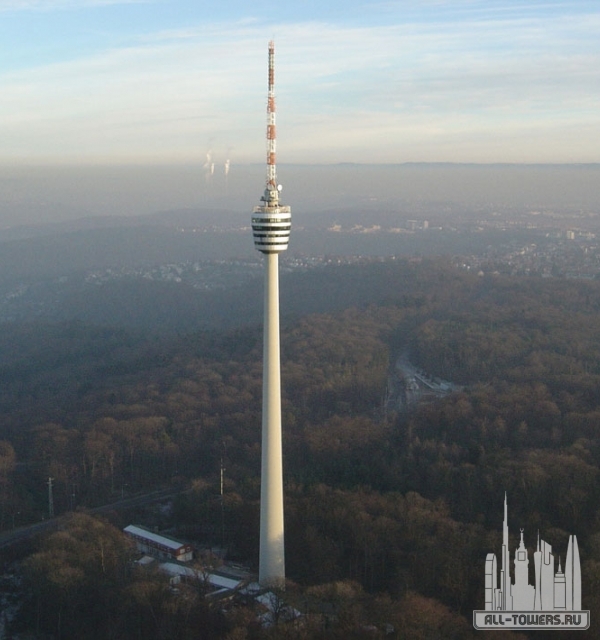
(271, 224)
(272, 190)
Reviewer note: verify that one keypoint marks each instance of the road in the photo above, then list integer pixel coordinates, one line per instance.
(13, 536)
(408, 387)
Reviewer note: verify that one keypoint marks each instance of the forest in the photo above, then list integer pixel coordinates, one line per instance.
(389, 514)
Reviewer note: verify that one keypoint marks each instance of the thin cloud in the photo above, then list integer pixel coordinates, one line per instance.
(52, 5)
(389, 93)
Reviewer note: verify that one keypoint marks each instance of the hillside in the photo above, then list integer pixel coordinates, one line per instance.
(400, 504)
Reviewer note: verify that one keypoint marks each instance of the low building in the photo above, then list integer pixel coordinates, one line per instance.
(159, 546)
(217, 584)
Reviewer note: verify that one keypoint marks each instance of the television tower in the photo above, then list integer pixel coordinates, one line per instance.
(271, 223)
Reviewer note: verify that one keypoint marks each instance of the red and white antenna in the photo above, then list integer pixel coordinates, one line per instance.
(272, 191)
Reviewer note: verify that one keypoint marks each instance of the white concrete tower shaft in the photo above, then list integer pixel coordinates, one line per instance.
(272, 553)
(271, 223)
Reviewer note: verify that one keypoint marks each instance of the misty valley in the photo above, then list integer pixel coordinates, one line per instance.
(360, 402)
(120, 380)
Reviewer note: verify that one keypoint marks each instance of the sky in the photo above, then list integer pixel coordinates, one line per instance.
(391, 81)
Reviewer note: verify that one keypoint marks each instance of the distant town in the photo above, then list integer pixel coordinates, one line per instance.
(208, 251)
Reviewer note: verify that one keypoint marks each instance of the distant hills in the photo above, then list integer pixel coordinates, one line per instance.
(191, 268)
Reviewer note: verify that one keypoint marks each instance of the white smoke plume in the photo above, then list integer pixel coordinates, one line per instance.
(208, 166)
